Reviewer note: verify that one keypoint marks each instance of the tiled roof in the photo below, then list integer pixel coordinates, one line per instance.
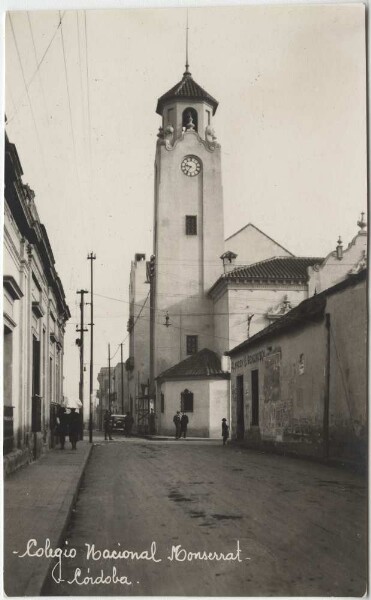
(204, 363)
(186, 89)
(283, 268)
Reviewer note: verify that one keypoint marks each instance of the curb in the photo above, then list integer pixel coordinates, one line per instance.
(38, 580)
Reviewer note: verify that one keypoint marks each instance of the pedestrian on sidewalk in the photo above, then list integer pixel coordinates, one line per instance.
(176, 421)
(107, 423)
(62, 426)
(225, 431)
(183, 425)
(152, 422)
(129, 422)
(74, 427)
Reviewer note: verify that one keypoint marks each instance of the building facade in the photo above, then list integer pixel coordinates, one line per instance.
(246, 299)
(35, 314)
(138, 364)
(300, 385)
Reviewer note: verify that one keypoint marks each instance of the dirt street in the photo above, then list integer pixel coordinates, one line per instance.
(272, 526)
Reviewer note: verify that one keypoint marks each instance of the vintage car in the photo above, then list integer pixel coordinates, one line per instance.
(118, 423)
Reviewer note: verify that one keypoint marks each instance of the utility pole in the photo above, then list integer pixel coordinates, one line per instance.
(80, 343)
(122, 382)
(91, 257)
(109, 377)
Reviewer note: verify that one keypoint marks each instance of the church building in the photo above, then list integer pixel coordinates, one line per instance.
(207, 293)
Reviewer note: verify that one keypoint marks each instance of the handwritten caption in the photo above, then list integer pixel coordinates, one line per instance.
(94, 555)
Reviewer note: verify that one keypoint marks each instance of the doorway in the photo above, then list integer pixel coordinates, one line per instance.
(255, 397)
(240, 409)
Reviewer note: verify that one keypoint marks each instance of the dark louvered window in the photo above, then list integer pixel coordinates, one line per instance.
(191, 225)
(192, 344)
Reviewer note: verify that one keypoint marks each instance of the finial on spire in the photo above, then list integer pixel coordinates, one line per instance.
(362, 223)
(187, 65)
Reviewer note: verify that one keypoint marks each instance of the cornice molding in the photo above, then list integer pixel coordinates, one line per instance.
(12, 287)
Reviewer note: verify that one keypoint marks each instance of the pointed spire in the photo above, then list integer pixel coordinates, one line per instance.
(186, 72)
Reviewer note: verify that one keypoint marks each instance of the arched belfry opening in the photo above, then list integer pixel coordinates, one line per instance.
(190, 119)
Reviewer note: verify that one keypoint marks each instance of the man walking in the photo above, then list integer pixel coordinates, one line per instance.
(183, 425)
(176, 421)
(74, 427)
(107, 423)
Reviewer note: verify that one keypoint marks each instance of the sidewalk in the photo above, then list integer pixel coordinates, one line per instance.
(38, 500)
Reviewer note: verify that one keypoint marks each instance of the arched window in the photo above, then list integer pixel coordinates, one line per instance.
(186, 401)
(190, 119)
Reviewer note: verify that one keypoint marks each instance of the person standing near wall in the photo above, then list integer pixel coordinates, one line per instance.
(225, 431)
(176, 421)
(183, 425)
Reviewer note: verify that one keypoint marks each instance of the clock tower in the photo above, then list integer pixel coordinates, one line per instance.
(188, 224)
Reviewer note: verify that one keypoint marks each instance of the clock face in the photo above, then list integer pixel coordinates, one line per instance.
(191, 166)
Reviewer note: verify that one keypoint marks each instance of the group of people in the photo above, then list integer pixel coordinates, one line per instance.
(181, 421)
(108, 424)
(68, 424)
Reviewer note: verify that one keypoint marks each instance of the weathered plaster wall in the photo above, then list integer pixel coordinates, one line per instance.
(219, 405)
(292, 370)
(198, 420)
(291, 389)
(257, 300)
(348, 389)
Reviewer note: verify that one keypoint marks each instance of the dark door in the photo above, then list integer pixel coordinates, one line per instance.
(240, 409)
(255, 397)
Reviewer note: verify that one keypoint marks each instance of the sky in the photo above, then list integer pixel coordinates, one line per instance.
(291, 120)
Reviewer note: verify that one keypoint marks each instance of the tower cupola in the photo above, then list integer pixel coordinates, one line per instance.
(187, 107)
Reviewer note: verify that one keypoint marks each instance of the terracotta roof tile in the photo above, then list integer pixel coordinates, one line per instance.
(186, 89)
(204, 363)
(275, 269)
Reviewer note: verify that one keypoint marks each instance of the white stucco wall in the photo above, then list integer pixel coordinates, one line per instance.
(186, 265)
(239, 301)
(251, 245)
(219, 405)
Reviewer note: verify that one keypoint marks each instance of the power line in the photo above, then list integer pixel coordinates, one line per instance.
(80, 68)
(87, 93)
(38, 65)
(30, 103)
(69, 105)
(37, 71)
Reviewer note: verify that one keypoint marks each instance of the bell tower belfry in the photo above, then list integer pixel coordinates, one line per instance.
(188, 223)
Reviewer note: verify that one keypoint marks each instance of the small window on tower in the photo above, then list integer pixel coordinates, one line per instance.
(191, 225)
(192, 344)
(208, 116)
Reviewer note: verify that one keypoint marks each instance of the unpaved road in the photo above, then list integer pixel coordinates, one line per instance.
(301, 527)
